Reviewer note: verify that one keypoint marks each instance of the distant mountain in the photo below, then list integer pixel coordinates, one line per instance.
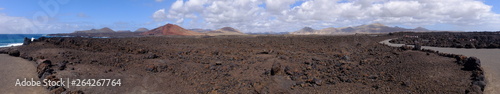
(268, 33)
(102, 30)
(305, 30)
(371, 28)
(229, 29)
(170, 29)
(123, 31)
(225, 31)
(200, 30)
(141, 30)
(421, 29)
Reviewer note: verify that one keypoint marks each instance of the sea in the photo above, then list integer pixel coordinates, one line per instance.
(8, 40)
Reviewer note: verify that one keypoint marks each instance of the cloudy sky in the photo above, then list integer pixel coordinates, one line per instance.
(64, 16)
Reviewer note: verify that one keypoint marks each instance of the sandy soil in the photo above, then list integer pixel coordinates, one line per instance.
(13, 68)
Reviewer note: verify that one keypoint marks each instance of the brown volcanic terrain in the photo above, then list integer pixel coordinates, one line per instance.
(248, 64)
(170, 29)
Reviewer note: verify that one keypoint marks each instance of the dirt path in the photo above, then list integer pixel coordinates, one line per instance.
(490, 62)
(13, 68)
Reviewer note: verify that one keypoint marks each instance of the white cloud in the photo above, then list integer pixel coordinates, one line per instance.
(15, 25)
(279, 15)
(278, 6)
(22, 25)
(159, 0)
(160, 15)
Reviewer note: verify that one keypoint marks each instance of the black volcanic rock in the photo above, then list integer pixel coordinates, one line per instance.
(15, 53)
(472, 63)
(26, 41)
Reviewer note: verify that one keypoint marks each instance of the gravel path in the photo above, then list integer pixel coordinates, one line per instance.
(13, 68)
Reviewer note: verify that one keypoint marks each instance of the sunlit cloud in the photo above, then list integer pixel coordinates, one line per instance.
(283, 15)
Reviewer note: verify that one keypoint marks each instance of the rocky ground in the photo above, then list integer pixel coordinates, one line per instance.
(451, 39)
(247, 64)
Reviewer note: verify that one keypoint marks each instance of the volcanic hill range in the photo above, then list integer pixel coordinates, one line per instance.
(221, 31)
(108, 30)
(126, 31)
(371, 28)
(225, 31)
(102, 30)
(141, 30)
(200, 30)
(172, 29)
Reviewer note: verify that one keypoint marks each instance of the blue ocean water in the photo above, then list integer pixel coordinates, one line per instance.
(7, 40)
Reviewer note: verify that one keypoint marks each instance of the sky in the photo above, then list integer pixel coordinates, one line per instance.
(66, 16)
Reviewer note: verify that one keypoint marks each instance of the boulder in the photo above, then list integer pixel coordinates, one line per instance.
(218, 63)
(152, 68)
(406, 47)
(15, 53)
(62, 65)
(151, 56)
(481, 84)
(26, 41)
(315, 81)
(474, 89)
(345, 57)
(43, 67)
(264, 52)
(59, 90)
(472, 63)
(76, 92)
(276, 69)
(417, 47)
(470, 45)
(479, 78)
